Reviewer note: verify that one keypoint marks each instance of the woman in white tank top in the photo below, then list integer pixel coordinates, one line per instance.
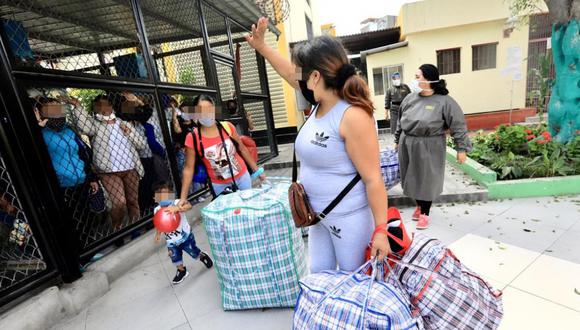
(338, 140)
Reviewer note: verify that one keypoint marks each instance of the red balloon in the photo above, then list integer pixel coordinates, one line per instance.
(166, 222)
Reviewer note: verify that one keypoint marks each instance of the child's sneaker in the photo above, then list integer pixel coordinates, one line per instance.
(180, 276)
(416, 214)
(423, 222)
(205, 259)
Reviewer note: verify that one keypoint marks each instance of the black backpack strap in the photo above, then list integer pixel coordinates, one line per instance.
(234, 184)
(201, 156)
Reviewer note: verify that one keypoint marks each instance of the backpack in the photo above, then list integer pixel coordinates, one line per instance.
(248, 142)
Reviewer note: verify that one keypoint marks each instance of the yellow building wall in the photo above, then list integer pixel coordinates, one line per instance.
(475, 91)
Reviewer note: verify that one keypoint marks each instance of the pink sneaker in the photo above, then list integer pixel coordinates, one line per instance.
(423, 222)
(416, 214)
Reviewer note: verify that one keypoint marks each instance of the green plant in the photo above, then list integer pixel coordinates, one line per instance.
(86, 96)
(509, 138)
(535, 154)
(187, 77)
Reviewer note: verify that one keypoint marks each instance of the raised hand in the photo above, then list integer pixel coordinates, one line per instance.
(256, 38)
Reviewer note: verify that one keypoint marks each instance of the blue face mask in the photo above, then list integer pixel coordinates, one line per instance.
(166, 203)
(207, 122)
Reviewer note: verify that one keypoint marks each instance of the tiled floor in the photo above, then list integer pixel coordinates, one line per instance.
(538, 271)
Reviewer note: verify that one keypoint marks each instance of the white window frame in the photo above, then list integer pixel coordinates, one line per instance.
(387, 71)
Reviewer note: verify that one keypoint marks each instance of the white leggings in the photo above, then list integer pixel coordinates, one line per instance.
(340, 240)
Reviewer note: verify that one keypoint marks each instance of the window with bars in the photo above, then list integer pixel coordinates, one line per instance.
(484, 56)
(378, 81)
(382, 77)
(449, 61)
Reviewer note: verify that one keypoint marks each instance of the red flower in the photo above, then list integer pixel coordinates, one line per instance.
(542, 141)
(530, 137)
(528, 131)
(547, 136)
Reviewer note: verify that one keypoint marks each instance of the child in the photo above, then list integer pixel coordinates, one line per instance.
(180, 239)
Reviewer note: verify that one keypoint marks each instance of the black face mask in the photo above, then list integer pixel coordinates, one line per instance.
(141, 114)
(56, 124)
(307, 93)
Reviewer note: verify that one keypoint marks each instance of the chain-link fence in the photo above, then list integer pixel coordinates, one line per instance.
(20, 257)
(109, 115)
(97, 37)
(108, 152)
(179, 57)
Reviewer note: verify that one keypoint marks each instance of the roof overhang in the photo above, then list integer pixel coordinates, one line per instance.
(383, 49)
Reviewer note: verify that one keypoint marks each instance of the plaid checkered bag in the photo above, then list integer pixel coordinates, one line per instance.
(340, 300)
(390, 167)
(446, 293)
(258, 253)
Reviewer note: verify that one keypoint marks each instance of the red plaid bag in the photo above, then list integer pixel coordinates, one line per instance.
(446, 293)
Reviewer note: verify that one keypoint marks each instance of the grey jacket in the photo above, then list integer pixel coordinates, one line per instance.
(395, 96)
(99, 134)
(425, 116)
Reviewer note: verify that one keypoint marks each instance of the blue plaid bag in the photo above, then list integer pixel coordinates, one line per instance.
(390, 167)
(339, 300)
(258, 252)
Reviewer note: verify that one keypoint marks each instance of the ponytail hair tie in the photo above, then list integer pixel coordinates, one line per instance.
(345, 72)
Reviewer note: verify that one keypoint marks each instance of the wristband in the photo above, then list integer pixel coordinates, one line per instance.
(258, 172)
(382, 228)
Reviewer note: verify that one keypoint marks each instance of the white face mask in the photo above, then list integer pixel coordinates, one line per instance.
(414, 86)
(397, 82)
(207, 122)
(101, 117)
(188, 116)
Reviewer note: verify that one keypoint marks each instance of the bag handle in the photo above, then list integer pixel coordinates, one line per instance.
(373, 263)
(321, 216)
(449, 280)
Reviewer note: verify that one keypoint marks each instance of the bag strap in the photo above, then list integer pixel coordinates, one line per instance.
(201, 156)
(340, 196)
(234, 184)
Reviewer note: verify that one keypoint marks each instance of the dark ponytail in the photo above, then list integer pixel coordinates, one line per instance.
(356, 92)
(327, 55)
(431, 73)
(440, 87)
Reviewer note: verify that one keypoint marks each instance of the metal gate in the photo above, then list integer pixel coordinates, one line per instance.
(89, 179)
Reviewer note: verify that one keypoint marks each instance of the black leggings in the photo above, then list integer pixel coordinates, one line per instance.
(425, 206)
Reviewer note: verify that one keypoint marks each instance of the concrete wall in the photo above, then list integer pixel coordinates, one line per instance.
(295, 25)
(293, 30)
(476, 91)
(429, 15)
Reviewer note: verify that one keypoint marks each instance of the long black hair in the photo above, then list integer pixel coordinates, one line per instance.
(431, 73)
(203, 97)
(327, 55)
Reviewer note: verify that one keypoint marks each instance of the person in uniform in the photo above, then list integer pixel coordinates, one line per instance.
(393, 99)
(424, 117)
